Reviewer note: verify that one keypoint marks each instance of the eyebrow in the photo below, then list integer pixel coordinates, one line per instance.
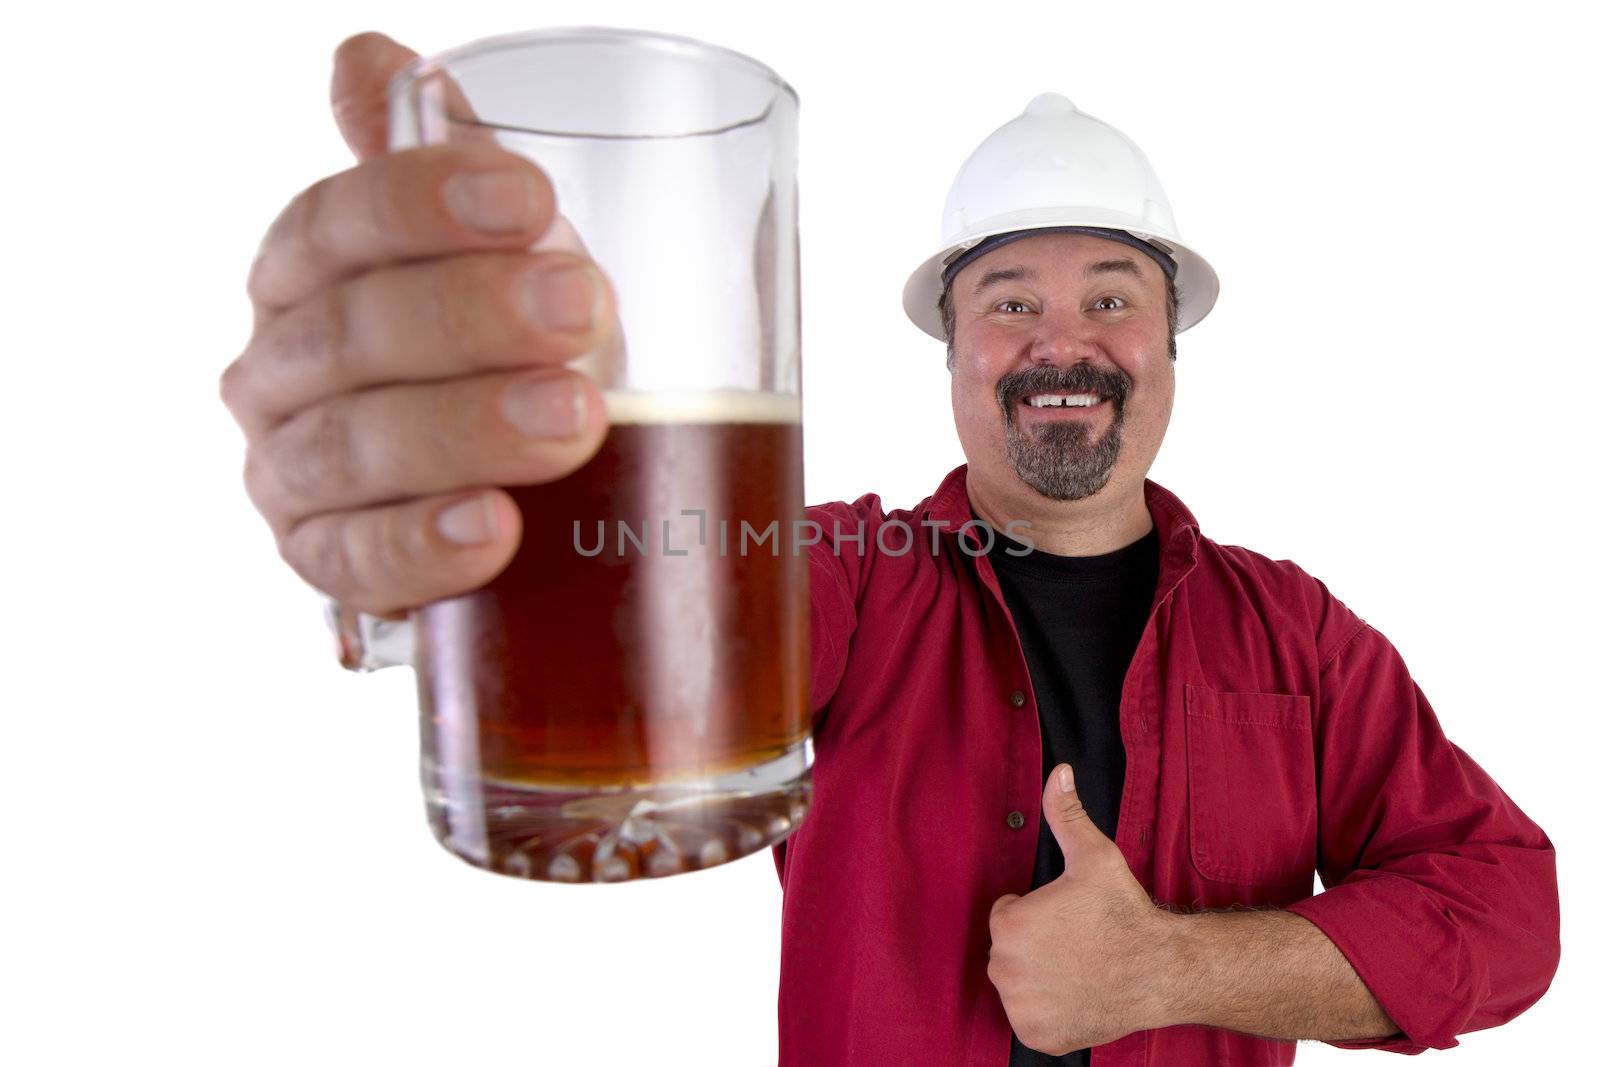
(995, 277)
(1012, 274)
(1114, 266)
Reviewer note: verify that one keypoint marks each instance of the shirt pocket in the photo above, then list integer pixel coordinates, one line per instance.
(1252, 786)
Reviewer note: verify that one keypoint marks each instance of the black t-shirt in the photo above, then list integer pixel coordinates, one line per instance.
(1080, 619)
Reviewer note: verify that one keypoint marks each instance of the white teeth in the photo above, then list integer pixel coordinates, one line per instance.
(1056, 400)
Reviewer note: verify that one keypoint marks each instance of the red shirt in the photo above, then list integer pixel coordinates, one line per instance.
(1270, 733)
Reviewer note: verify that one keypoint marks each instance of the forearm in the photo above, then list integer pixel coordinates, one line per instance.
(1269, 973)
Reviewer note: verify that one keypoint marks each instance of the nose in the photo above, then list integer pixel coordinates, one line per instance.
(1062, 339)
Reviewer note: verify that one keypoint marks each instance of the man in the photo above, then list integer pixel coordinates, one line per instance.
(1061, 737)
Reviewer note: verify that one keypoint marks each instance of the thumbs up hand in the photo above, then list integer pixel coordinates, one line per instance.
(1083, 960)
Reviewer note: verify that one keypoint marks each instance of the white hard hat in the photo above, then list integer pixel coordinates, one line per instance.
(1053, 167)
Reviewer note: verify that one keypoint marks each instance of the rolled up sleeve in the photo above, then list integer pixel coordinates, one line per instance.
(1441, 891)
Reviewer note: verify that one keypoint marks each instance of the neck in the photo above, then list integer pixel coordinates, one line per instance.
(1110, 519)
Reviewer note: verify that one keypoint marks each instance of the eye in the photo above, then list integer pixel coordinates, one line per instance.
(1011, 303)
(1109, 303)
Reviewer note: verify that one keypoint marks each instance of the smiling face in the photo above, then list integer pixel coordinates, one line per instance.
(1061, 378)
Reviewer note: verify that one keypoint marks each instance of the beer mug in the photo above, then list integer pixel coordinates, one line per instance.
(629, 697)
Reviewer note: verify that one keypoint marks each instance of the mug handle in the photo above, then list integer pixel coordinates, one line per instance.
(365, 642)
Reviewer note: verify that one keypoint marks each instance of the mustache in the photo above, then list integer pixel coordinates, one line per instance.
(1078, 378)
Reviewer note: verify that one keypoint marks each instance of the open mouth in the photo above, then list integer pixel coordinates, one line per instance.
(1064, 404)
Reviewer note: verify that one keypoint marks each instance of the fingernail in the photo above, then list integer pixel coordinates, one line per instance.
(564, 299)
(545, 407)
(468, 522)
(493, 203)
(1065, 778)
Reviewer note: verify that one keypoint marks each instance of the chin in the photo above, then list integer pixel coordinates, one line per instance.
(1066, 492)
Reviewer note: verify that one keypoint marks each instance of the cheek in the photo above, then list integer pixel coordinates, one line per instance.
(977, 414)
(971, 413)
(1151, 406)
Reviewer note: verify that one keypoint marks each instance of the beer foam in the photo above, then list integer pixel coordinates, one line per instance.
(712, 405)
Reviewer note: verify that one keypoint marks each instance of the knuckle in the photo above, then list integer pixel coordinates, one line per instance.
(343, 561)
(388, 205)
(291, 549)
(417, 177)
(313, 459)
(308, 338)
(257, 482)
(382, 557)
(258, 285)
(304, 546)
(392, 557)
(314, 336)
(507, 287)
(254, 287)
(456, 297)
(401, 544)
(455, 424)
(305, 222)
(231, 389)
(330, 326)
(334, 553)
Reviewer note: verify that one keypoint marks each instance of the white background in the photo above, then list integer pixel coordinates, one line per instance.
(215, 847)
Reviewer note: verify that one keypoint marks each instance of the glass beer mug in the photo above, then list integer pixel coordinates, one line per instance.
(629, 697)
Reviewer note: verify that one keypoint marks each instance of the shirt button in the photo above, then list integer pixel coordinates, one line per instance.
(1017, 698)
(1015, 820)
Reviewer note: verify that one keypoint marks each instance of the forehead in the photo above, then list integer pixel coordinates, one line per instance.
(1058, 257)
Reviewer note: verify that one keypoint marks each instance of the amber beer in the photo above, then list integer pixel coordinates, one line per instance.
(643, 658)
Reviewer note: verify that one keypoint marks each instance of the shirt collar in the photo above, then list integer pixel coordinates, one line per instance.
(950, 504)
(1176, 528)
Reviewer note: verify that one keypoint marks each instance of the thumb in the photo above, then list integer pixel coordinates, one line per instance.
(362, 67)
(1063, 810)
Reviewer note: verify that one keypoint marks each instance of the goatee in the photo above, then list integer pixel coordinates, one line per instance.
(1063, 460)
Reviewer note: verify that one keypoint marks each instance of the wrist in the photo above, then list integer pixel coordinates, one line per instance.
(1173, 981)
